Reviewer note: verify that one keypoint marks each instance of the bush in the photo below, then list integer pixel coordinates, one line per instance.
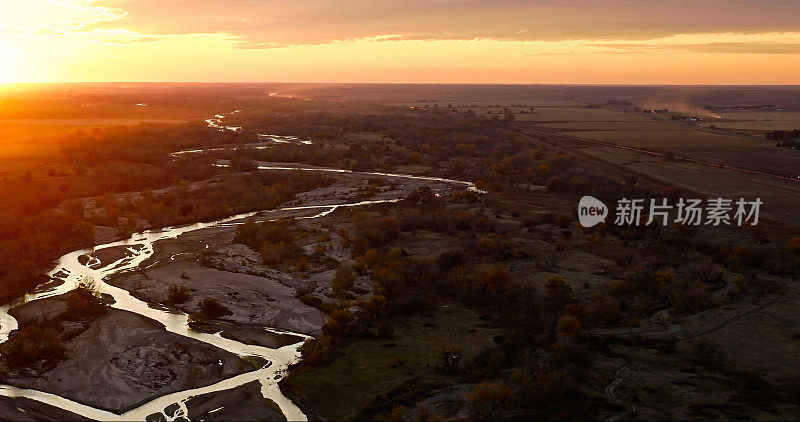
(177, 294)
(342, 323)
(449, 358)
(568, 327)
(32, 344)
(211, 308)
(558, 294)
(317, 351)
(450, 259)
(571, 357)
(495, 281)
(84, 303)
(344, 279)
(707, 272)
(605, 310)
(794, 245)
(489, 400)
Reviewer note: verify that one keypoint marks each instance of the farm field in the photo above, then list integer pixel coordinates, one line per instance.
(644, 125)
(762, 115)
(667, 138)
(490, 104)
(780, 197)
(577, 114)
(760, 121)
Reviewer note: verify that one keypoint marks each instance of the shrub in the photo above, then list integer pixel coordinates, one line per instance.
(344, 279)
(177, 294)
(558, 294)
(553, 387)
(449, 358)
(450, 259)
(301, 264)
(571, 357)
(489, 400)
(707, 272)
(606, 310)
(762, 285)
(317, 351)
(341, 323)
(211, 308)
(495, 281)
(568, 326)
(371, 257)
(84, 303)
(794, 245)
(32, 344)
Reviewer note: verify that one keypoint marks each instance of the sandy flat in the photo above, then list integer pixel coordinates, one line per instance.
(124, 359)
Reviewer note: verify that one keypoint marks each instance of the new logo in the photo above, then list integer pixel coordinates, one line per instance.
(591, 211)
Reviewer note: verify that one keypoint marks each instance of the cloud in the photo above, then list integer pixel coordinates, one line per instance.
(274, 23)
(713, 47)
(33, 17)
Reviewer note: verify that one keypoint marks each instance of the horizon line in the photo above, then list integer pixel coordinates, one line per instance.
(401, 83)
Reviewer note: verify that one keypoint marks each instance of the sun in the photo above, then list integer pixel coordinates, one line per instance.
(9, 64)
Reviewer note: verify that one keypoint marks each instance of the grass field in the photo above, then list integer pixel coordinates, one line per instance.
(338, 391)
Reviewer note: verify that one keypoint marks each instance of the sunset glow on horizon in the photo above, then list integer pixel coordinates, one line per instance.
(622, 42)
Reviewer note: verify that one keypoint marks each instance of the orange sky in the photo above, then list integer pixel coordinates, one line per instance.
(432, 41)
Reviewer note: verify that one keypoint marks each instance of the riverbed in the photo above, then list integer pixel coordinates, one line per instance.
(81, 266)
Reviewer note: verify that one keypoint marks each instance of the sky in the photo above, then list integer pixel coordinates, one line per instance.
(402, 41)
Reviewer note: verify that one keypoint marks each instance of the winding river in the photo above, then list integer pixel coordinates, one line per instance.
(70, 272)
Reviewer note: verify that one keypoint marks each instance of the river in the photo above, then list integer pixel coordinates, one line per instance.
(70, 272)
